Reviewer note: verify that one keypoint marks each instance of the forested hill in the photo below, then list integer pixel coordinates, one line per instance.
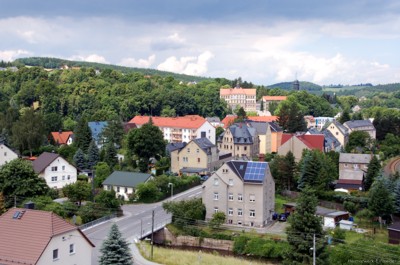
(55, 63)
(303, 86)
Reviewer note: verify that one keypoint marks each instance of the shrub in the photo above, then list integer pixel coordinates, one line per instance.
(350, 206)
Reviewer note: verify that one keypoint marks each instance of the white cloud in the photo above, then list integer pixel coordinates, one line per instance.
(11, 55)
(187, 65)
(95, 58)
(144, 63)
(172, 42)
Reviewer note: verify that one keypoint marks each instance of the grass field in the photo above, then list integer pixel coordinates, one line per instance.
(184, 257)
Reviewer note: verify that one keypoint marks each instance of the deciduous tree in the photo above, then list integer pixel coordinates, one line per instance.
(78, 191)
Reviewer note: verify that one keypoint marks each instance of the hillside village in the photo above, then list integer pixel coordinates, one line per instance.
(80, 144)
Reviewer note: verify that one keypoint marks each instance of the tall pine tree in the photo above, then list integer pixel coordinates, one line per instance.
(381, 201)
(110, 155)
(374, 168)
(93, 155)
(80, 159)
(82, 135)
(115, 249)
(303, 225)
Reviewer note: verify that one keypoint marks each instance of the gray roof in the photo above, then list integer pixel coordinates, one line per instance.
(43, 161)
(261, 127)
(341, 128)
(358, 123)
(355, 158)
(126, 179)
(204, 143)
(242, 134)
(174, 146)
(274, 127)
(213, 119)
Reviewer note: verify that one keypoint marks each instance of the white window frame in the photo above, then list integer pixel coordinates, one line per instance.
(230, 182)
(230, 197)
(240, 212)
(71, 249)
(252, 213)
(216, 196)
(240, 197)
(54, 169)
(230, 211)
(53, 178)
(216, 181)
(252, 197)
(215, 209)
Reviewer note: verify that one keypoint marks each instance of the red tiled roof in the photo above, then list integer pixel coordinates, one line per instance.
(263, 118)
(228, 120)
(23, 240)
(312, 141)
(274, 98)
(237, 91)
(188, 121)
(61, 137)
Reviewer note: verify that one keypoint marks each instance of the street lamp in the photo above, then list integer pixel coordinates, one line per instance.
(172, 189)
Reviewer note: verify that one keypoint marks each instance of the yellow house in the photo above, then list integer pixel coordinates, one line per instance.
(340, 132)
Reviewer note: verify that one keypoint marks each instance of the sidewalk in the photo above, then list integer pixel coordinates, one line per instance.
(138, 259)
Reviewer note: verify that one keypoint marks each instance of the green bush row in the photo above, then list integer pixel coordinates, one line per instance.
(260, 247)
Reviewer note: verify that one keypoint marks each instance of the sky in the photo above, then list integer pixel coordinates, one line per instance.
(261, 41)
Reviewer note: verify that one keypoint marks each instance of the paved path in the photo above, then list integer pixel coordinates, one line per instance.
(392, 166)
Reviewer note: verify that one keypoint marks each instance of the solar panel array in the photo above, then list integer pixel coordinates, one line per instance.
(255, 171)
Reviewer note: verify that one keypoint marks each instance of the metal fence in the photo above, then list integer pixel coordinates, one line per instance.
(97, 221)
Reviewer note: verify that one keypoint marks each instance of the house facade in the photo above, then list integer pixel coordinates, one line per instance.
(243, 190)
(352, 170)
(124, 183)
(199, 156)
(340, 132)
(361, 125)
(242, 97)
(57, 171)
(180, 129)
(240, 140)
(6, 154)
(268, 100)
(39, 237)
(296, 143)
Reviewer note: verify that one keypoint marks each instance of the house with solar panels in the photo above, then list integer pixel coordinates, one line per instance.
(243, 190)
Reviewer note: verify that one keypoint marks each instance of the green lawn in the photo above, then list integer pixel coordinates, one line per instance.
(279, 201)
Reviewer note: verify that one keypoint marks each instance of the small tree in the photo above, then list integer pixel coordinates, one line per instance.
(78, 191)
(374, 168)
(380, 199)
(115, 249)
(102, 171)
(217, 220)
(345, 116)
(185, 212)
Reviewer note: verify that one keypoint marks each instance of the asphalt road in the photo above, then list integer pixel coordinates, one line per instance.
(136, 221)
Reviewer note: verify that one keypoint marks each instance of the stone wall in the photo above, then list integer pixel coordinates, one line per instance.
(166, 237)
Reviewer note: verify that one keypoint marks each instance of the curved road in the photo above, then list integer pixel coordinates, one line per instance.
(392, 166)
(135, 222)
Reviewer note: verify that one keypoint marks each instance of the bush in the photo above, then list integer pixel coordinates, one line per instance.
(350, 206)
(260, 247)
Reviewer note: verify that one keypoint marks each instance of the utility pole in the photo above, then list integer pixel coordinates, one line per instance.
(314, 249)
(141, 229)
(172, 189)
(152, 234)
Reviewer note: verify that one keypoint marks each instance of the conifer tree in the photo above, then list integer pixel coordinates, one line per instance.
(115, 249)
(303, 225)
(289, 168)
(79, 159)
(380, 201)
(93, 155)
(110, 155)
(82, 135)
(374, 168)
(345, 116)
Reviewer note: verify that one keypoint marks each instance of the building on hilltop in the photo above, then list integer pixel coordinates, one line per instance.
(243, 190)
(180, 129)
(242, 97)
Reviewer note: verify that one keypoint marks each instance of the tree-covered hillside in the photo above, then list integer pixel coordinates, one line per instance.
(308, 86)
(55, 63)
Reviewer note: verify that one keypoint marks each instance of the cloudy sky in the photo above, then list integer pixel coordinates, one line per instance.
(262, 41)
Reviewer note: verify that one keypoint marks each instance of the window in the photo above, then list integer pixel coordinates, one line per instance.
(240, 212)
(55, 253)
(198, 159)
(252, 198)
(245, 148)
(53, 179)
(5, 153)
(230, 211)
(216, 182)
(117, 189)
(68, 177)
(355, 166)
(240, 197)
(216, 196)
(230, 196)
(188, 150)
(252, 213)
(239, 222)
(71, 249)
(230, 182)
(63, 177)
(197, 150)
(126, 190)
(215, 209)
(53, 168)
(63, 167)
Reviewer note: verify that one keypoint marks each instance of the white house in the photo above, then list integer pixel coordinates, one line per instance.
(57, 171)
(41, 238)
(180, 129)
(6, 154)
(124, 183)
